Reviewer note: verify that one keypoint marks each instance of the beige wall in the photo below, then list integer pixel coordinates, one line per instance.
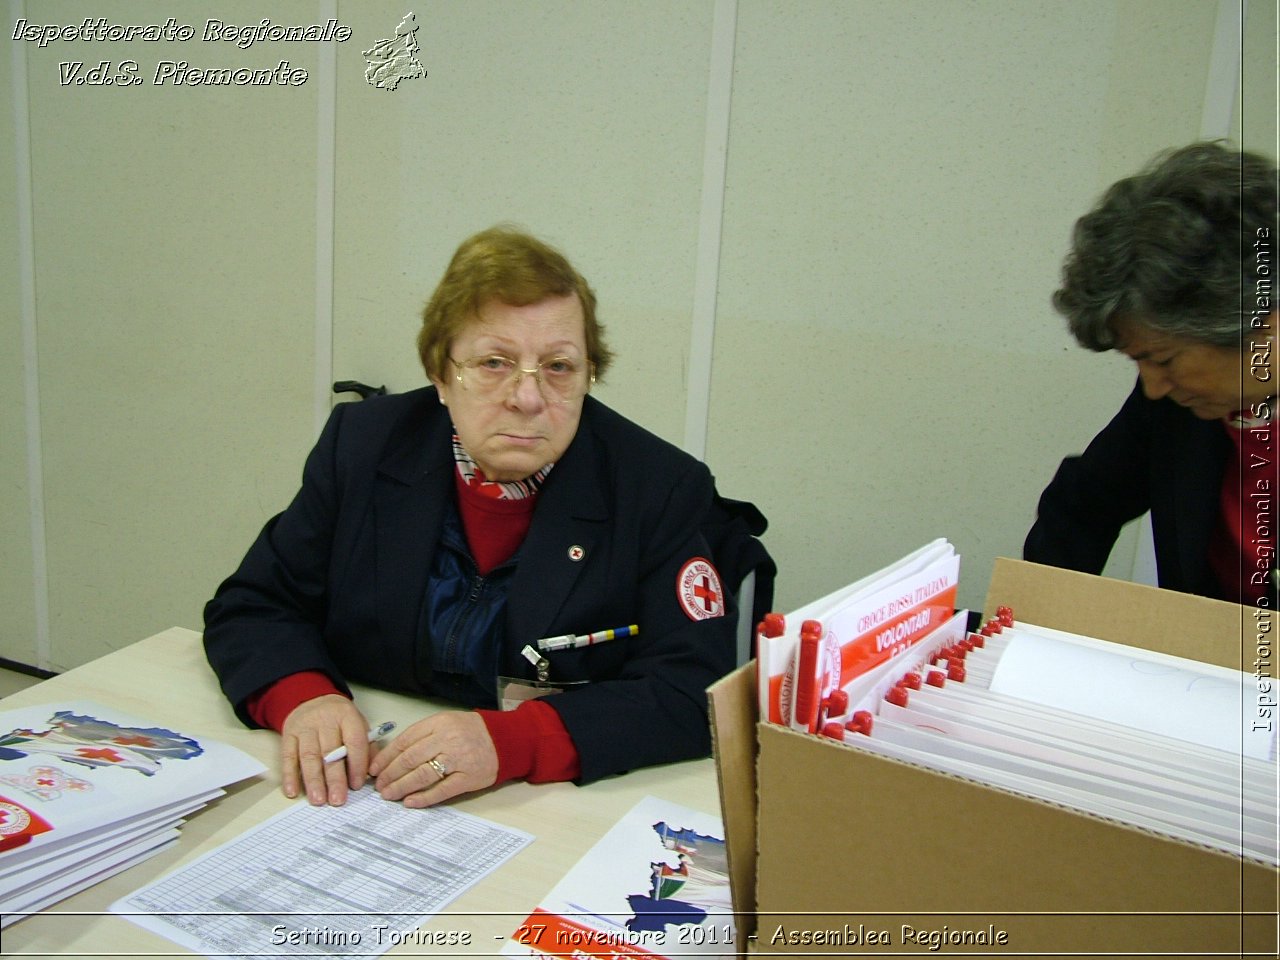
(900, 183)
(1257, 112)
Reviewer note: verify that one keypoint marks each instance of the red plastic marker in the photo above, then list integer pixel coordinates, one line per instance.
(806, 683)
(861, 722)
(834, 704)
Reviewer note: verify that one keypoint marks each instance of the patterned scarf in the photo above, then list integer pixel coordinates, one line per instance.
(497, 489)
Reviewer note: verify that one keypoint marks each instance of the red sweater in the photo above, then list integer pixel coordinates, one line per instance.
(531, 741)
(1243, 546)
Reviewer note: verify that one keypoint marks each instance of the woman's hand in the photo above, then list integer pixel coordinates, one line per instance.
(313, 729)
(437, 758)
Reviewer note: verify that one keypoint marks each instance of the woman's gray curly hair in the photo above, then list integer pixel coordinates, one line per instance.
(1174, 248)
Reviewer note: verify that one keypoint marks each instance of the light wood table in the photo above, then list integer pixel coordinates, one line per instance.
(165, 679)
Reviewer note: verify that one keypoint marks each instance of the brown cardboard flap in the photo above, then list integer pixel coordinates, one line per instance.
(1180, 624)
(733, 738)
(880, 843)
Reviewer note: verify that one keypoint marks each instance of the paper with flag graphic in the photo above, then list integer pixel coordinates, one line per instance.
(656, 885)
(86, 790)
(84, 740)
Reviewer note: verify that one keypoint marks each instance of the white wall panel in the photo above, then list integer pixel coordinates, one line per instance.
(581, 122)
(173, 251)
(1259, 106)
(900, 186)
(902, 182)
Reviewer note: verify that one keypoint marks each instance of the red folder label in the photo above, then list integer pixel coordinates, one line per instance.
(889, 637)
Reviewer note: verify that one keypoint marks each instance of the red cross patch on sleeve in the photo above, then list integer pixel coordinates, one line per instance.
(699, 590)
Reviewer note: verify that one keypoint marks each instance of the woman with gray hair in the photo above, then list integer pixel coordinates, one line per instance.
(1174, 268)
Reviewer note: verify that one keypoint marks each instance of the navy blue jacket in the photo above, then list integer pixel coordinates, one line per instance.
(1153, 455)
(337, 581)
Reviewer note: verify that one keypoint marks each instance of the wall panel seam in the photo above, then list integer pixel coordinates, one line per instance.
(1221, 94)
(1222, 85)
(715, 153)
(24, 198)
(326, 137)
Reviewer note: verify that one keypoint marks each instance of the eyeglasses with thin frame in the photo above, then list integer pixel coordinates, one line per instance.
(494, 377)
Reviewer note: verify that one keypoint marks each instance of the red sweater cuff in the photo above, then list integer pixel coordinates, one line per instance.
(271, 705)
(532, 744)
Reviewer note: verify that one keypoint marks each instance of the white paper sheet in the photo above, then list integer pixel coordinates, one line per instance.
(1157, 693)
(345, 881)
(79, 781)
(76, 768)
(85, 883)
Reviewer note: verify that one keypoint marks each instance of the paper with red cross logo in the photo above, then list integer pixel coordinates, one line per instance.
(18, 824)
(699, 590)
(46, 783)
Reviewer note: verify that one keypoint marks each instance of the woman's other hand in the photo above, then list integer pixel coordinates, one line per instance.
(437, 758)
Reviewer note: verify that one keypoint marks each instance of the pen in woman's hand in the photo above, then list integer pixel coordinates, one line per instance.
(375, 733)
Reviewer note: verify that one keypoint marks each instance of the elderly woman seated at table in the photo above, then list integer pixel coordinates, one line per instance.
(1174, 267)
(440, 534)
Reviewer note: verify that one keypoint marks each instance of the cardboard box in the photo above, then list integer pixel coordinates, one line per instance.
(834, 852)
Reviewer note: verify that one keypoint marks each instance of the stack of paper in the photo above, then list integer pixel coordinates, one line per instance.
(344, 882)
(852, 632)
(86, 791)
(1155, 741)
